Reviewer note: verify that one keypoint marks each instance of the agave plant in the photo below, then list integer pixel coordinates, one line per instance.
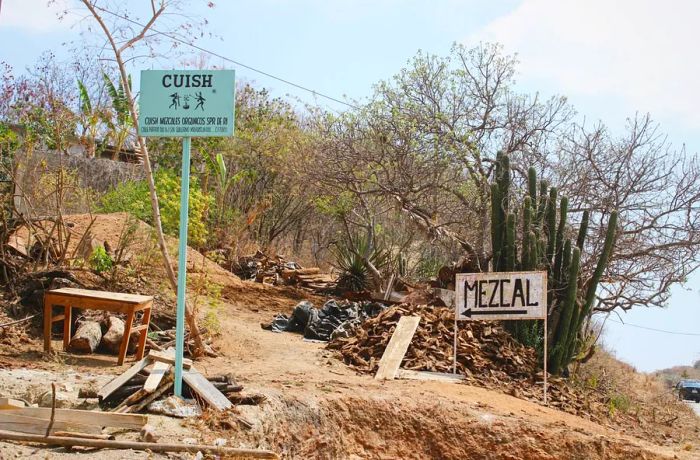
(355, 275)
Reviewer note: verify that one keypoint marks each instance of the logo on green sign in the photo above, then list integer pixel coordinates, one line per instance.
(186, 103)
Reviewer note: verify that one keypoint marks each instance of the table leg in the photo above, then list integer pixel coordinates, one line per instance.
(66, 326)
(125, 340)
(47, 325)
(145, 321)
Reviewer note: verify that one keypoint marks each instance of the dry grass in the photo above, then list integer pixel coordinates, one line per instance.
(638, 402)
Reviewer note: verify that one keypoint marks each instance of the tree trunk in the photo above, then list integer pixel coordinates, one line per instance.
(113, 337)
(199, 348)
(189, 315)
(86, 338)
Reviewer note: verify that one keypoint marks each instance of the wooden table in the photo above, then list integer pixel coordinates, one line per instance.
(116, 302)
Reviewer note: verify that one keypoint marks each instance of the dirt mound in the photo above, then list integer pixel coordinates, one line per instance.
(366, 427)
(120, 233)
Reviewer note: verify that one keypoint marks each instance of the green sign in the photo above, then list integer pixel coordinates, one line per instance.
(184, 103)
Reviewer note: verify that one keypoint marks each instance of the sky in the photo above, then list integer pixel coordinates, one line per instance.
(611, 59)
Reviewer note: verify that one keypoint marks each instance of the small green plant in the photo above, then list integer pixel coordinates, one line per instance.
(100, 261)
(618, 402)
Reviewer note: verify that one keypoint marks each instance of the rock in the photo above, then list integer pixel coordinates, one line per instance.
(175, 407)
(88, 404)
(64, 400)
(58, 283)
(148, 434)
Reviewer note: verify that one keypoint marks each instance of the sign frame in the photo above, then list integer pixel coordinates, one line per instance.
(499, 310)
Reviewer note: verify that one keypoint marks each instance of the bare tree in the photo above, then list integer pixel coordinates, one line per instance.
(426, 141)
(123, 36)
(657, 192)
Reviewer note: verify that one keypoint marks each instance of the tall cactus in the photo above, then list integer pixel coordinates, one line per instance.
(497, 226)
(583, 228)
(600, 266)
(563, 329)
(510, 248)
(527, 224)
(551, 223)
(543, 243)
(542, 207)
(532, 184)
(559, 241)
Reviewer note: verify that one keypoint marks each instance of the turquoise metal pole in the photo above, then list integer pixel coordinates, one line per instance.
(182, 265)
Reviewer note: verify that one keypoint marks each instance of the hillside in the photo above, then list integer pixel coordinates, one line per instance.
(317, 407)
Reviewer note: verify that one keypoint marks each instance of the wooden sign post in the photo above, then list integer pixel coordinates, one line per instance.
(501, 296)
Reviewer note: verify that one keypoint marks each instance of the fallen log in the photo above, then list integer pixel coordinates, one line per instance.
(112, 339)
(152, 446)
(86, 338)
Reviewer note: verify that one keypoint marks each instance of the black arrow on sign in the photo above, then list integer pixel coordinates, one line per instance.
(469, 313)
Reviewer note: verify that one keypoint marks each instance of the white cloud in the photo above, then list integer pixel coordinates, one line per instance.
(36, 16)
(643, 51)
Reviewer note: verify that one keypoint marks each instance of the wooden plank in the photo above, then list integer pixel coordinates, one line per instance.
(94, 304)
(397, 347)
(203, 387)
(120, 380)
(157, 373)
(80, 418)
(10, 403)
(165, 357)
(427, 375)
(102, 295)
(164, 387)
(57, 318)
(35, 425)
(394, 297)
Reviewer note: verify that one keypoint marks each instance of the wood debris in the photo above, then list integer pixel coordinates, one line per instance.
(278, 271)
(152, 378)
(487, 355)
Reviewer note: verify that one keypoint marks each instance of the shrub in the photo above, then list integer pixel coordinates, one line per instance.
(133, 197)
(100, 261)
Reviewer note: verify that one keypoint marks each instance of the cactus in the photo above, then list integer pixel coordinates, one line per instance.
(600, 268)
(559, 242)
(583, 228)
(563, 329)
(497, 225)
(566, 259)
(527, 224)
(532, 184)
(531, 262)
(510, 249)
(551, 222)
(542, 207)
(541, 243)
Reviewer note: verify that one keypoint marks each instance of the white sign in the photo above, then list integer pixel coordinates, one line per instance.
(507, 295)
